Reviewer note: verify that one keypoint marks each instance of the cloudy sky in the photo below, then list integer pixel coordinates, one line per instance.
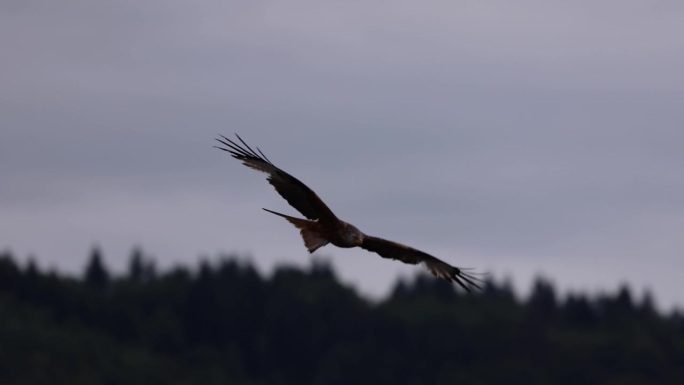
(518, 138)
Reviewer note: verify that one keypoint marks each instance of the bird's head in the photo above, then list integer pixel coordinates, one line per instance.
(353, 235)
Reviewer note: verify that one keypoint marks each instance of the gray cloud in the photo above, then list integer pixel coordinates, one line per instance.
(516, 137)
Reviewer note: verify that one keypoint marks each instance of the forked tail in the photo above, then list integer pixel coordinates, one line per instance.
(311, 231)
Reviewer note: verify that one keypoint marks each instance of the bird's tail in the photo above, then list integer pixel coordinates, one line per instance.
(311, 231)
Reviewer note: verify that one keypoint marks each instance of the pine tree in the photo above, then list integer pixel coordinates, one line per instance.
(96, 274)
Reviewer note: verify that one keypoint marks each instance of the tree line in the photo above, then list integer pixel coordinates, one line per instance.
(224, 323)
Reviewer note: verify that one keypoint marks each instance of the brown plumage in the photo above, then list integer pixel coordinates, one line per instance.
(322, 226)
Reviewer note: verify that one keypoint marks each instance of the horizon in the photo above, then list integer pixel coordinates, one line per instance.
(318, 261)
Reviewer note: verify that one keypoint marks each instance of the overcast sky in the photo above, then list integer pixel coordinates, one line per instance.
(518, 138)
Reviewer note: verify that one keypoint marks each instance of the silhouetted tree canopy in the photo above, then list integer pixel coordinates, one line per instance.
(224, 323)
(96, 274)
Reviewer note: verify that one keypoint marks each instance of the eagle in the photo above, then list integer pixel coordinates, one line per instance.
(321, 226)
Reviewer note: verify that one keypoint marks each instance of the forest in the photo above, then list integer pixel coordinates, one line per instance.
(222, 322)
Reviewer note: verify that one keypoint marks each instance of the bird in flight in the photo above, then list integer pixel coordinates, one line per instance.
(322, 226)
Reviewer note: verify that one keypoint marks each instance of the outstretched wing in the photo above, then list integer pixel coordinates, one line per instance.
(296, 193)
(406, 254)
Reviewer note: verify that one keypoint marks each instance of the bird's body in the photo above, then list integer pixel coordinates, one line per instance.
(318, 234)
(321, 226)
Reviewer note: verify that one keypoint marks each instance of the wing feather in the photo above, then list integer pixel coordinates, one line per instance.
(296, 193)
(407, 254)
